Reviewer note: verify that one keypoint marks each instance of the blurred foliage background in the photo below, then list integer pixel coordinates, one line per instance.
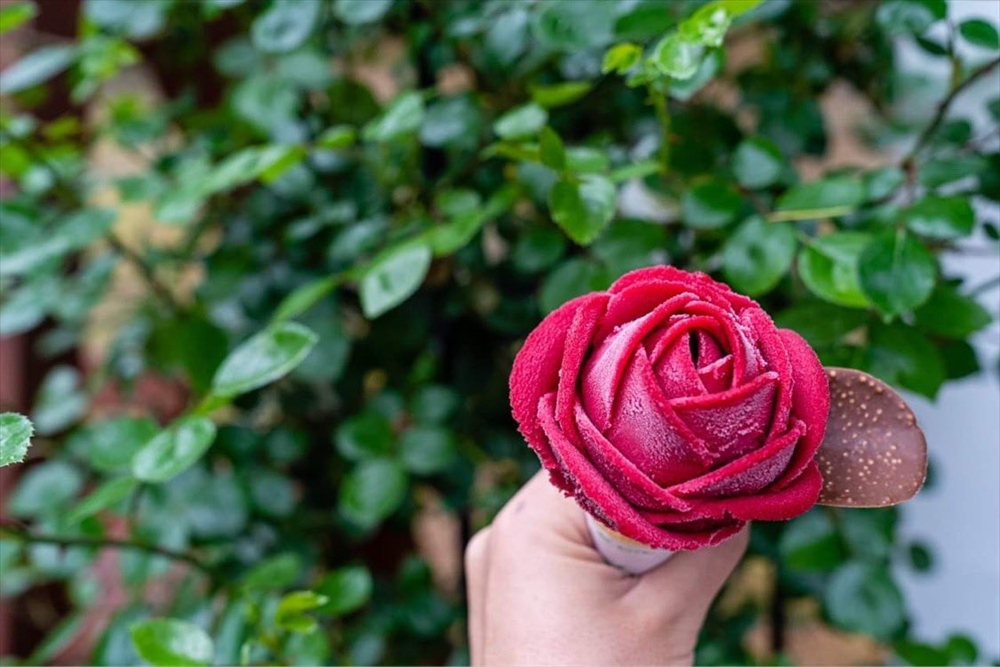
(277, 257)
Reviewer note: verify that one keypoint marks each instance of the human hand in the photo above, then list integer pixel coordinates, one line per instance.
(540, 594)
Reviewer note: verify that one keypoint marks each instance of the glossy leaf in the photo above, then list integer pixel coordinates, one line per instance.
(357, 12)
(948, 313)
(285, 25)
(980, 33)
(757, 255)
(403, 117)
(828, 266)
(36, 68)
(346, 589)
(393, 277)
(863, 597)
(825, 198)
(372, 491)
(427, 449)
(757, 163)
(13, 14)
(710, 205)
(522, 122)
(365, 436)
(583, 209)
(897, 273)
(167, 641)
(107, 495)
(941, 217)
(173, 450)
(15, 437)
(262, 359)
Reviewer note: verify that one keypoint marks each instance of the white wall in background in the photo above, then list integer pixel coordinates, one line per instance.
(960, 516)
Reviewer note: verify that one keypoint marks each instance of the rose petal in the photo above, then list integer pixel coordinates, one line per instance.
(733, 422)
(772, 349)
(706, 286)
(598, 497)
(810, 401)
(578, 342)
(674, 366)
(717, 376)
(603, 372)
(748, 474)
(778, 504)
(747, 361)
(625, 476)
(536, 373)
(648, 431)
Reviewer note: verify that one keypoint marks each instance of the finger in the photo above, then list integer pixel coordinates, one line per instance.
(477, 563)
(690, 580)
(540, 508)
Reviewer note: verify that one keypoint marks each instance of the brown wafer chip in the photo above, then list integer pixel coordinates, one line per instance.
(873, 453)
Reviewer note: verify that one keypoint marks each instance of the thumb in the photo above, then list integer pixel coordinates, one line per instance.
(687, 583)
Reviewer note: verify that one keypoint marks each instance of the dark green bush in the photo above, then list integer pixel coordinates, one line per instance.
(367, 204)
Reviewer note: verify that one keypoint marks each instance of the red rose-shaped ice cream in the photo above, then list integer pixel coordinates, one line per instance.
(673, 409)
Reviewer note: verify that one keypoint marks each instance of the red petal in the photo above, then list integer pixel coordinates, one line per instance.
(578, 343)
(648, 431)
(630, 481)
(604, 370)
(717, 376)
(772, 348)
(749, 474)
(696, 281)
(596, 495)
(734, 422)
(536, 373)
(810, 400)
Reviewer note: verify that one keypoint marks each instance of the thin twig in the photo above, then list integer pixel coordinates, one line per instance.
(147, 271)
(944, 105)
(16, 532)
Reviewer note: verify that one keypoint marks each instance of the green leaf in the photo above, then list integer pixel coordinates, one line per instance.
(677, 56)
(821, 324)
(262, 359)
(110, 445)
(574, 25)
(433, 404)
(285, 26)
(347, 589)
(44, 489)
(980, 33)
(427, 449)
(521, 122)
(365, 436)
(167, 641)
(571, 279)
(757, 255)
(825, 198)
(904, 357)
(559, 94)
(403, 117)
(758, 163)
(947, 170)
(36, 68)
(710, 22)
(810, 543)
(174, 450)
(393, 277)
(898, 17)
(828, 266)
(290, 611)
(941, 217)
(620, 58)
(921, 558)
(551, 149)
(881, 183)
(897, 272)
(919, 654)
(337, 137)
(710, 204)
(14, 14)
(953, 315)
(372, 491)
(304, 298)
(538, 248)
(60, 402)
(15, 437)
(452, 121)
(862, 597)
(583, 209)
(106, 495)
(507, 35)
(359, 12)
(274, 573)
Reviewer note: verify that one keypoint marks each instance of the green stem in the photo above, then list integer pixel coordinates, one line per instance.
(18, 533)
(663, 114)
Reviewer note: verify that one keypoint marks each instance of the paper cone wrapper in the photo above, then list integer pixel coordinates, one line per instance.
(623, 552)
